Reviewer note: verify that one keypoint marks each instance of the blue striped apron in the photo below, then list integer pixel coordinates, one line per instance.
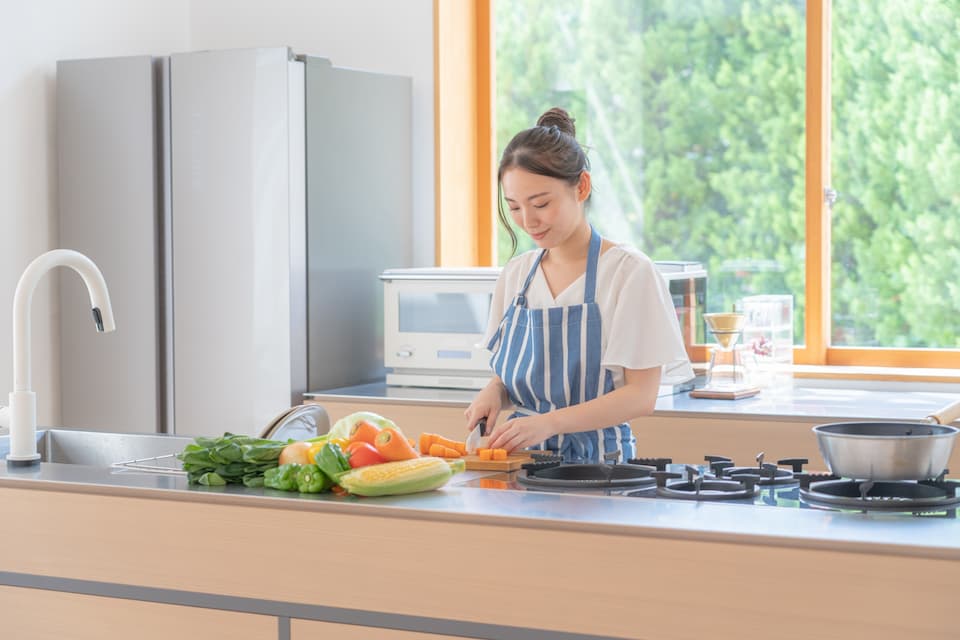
(549, 359)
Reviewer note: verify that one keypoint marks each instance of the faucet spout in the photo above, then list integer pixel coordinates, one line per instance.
(23, 401)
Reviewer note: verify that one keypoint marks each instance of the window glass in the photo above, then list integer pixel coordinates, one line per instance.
(693, 116)
(896, 167)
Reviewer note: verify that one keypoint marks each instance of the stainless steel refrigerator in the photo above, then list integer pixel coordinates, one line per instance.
(241, 205)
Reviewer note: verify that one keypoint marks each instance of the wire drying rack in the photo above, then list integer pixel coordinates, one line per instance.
(167, 464)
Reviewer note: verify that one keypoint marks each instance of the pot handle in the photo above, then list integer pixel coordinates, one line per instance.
(946, 415)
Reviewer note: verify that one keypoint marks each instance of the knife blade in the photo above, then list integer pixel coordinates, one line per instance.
(477, 439)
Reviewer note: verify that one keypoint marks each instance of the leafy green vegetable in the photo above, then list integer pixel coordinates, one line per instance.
(253, 480)
(332, 461)
(341, 428)
(230, 459)
(211, 479)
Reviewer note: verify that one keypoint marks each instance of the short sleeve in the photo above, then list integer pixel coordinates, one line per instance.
(643, 330)
(498, 305)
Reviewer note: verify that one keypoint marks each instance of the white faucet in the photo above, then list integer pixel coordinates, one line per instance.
(23, 401)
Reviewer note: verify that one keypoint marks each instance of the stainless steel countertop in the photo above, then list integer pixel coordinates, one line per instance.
(820, 403)
(674, 519)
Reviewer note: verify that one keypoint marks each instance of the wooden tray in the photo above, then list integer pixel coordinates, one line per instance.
(512, 463)
(725, 395)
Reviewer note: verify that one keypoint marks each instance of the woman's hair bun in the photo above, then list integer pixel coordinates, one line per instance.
(557, 117)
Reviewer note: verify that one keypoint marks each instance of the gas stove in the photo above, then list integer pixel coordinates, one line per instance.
(785, 484)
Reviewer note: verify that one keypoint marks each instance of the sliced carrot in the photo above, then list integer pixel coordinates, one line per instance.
(485, 454)
(443, 452)
(499, 454)
(459, 445)
(426, 439)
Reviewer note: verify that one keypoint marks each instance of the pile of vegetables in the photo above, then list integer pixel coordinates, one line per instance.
(363, 454)
(230, 459)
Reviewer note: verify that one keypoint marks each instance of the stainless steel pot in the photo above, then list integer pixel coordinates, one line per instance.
(889, 450)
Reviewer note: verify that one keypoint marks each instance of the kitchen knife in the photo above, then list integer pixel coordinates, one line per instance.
(477, 439)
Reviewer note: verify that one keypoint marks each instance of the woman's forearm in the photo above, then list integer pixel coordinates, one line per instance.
(496, 382)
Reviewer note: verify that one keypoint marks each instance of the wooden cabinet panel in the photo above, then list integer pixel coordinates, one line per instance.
(315, 630)
(36, 614)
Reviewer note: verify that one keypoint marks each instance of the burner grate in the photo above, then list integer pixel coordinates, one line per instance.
(586, 476)
(883, 496)
(699, 487)
(769, 474)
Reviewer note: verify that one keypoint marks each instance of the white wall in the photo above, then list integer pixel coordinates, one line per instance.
(386, 36)
(33, 36)
(390, 36)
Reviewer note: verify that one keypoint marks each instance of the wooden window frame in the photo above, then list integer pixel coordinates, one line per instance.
(464, 68)
(464, 132)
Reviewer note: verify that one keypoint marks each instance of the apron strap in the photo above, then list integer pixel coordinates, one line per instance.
(521, 300)
(590, 287)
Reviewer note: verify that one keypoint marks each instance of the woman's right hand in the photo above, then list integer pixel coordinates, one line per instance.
(486, 404)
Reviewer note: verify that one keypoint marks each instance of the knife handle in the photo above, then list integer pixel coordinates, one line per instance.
(482, 425)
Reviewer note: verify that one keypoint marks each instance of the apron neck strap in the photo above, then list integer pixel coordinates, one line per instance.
(590, 286)
(522, 296)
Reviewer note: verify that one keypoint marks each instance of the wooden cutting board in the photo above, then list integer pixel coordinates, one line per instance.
(512, 463)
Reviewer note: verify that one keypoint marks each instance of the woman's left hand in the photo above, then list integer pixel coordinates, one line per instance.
(519, 433)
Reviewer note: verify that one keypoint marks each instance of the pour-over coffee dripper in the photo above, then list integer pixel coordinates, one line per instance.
(728, 376)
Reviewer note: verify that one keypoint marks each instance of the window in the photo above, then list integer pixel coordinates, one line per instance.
(709, 141)
(895, 159)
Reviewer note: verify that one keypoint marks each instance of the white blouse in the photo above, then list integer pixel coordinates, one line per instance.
(639, 324)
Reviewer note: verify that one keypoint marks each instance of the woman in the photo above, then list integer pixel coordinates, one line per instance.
(580, 329)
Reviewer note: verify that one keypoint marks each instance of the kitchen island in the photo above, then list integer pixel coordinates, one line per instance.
(88, 550)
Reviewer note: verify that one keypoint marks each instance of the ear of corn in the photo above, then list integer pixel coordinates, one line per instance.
(401, 477)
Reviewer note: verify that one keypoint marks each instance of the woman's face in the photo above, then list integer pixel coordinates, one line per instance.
(548, 209)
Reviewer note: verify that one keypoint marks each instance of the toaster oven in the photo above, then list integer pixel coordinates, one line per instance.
(433, 322)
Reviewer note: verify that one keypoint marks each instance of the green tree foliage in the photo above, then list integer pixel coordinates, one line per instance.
(693, 115)
(896, 163)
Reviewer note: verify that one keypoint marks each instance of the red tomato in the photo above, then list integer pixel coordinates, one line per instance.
(363, 454)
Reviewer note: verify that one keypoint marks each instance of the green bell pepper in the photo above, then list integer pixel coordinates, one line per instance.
(283, 477)
(310, 479)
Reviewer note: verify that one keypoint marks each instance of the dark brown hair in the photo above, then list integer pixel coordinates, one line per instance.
(548, 149)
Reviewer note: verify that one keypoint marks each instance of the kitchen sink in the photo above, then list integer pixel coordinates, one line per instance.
(105, 449)
(101, 449)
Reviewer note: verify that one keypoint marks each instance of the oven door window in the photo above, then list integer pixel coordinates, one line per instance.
(436, 312)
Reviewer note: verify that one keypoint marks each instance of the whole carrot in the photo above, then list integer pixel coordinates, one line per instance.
(393, 446)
